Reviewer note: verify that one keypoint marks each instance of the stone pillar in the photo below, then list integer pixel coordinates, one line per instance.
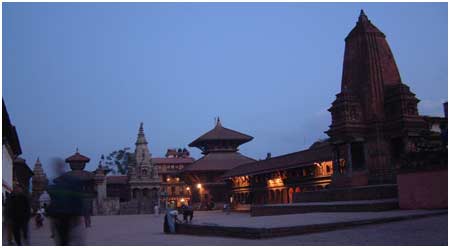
(336, 157)
(348, 163)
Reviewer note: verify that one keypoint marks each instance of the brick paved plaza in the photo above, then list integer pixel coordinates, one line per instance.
(147, 230)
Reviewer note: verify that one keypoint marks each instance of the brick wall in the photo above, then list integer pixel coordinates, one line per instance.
(373, 192)
(423, 189)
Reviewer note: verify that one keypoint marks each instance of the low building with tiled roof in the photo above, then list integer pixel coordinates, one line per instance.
(204, 176)
(275, 179)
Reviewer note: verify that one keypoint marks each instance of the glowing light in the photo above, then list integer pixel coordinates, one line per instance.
(168, 179)
(182, 200)
(275, 182)
(188, 188)
(178, 179)
(199, 186)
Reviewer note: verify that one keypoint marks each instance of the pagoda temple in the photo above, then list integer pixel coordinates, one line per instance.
(220, 149)
(374, 117)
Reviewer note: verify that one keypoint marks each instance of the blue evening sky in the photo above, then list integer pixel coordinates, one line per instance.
(85, 74)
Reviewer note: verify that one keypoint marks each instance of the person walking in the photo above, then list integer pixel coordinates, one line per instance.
(40, 217)
(66, 211)
(18, 212)
(7, 221)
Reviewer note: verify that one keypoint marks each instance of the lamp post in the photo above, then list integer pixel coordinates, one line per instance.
(188, 189)
(164, 196)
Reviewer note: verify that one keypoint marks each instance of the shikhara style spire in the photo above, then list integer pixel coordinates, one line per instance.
(369, 65)
(141, 136)
(39, 183)
(374, 107)
(368, 58)
(38, 171)
(142, 152)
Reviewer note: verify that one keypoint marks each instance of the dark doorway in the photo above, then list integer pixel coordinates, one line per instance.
(358, 158)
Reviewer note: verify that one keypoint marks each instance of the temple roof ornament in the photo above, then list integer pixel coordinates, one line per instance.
(77, 161)
(141, 136)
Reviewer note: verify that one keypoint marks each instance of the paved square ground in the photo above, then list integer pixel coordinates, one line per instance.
(147, 230)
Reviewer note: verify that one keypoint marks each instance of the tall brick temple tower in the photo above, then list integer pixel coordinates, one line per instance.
(374, 117)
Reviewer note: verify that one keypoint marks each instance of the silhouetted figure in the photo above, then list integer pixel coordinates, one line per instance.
(40, 216)
(18, 212)
(188, 212)
(66, 210)
(87, 212)
(7, 221)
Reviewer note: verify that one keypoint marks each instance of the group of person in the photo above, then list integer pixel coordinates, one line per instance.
(17, 213)
(171, 218)
(68, 213)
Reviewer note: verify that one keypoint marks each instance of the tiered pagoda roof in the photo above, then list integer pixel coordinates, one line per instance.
(220, 139)
(220, 146)
(220, 161)
(77, 157)
(77, 163)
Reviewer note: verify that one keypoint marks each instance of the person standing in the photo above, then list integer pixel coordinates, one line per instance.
(18, 211)
(87, 209)
(156, 210)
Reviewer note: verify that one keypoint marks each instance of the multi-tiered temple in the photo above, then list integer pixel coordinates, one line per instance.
(220, 149)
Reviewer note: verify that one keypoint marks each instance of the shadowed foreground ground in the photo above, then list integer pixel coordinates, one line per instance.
(147, 230)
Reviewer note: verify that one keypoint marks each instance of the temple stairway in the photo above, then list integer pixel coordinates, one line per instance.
(136, 207)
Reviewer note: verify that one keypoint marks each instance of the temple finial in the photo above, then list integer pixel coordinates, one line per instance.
(141, 128)
(218, 121)
(141, 136)
(362, 16)
(77, 150)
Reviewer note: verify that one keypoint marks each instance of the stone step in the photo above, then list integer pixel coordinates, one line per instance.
(272, 232)
(336, 206)
(369, 192)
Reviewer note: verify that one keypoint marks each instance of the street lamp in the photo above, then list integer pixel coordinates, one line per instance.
(164, 195)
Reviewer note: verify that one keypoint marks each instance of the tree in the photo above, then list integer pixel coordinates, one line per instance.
(118, 161)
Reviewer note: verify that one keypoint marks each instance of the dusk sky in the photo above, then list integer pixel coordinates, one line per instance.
(86, 74)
